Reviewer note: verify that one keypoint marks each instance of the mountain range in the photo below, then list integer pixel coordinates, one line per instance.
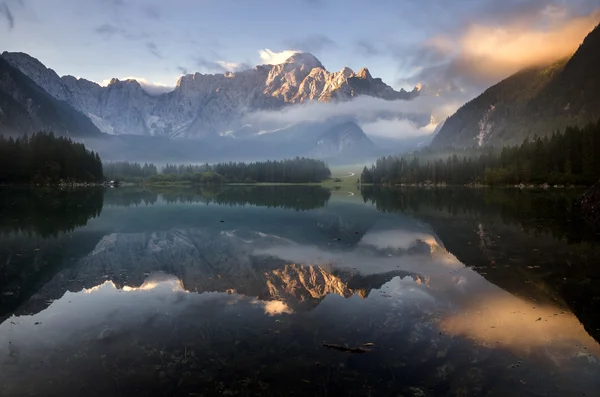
(535, 101)
(202, 107)
(206, 116)
(203, 104)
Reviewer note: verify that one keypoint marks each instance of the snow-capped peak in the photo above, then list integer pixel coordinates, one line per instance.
(304, 58)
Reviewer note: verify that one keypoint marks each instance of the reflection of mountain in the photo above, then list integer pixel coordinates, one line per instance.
(207, 261)
(527, 242)
(289, 197)
(28, 262)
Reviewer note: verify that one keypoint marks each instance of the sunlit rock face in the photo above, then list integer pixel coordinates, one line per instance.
(204, 105)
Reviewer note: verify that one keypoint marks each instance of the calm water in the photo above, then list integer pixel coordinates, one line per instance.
(247, 291)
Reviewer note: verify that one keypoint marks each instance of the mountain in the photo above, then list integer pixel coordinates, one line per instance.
(346, 139)
(204, 105)
(25, 108)
(537, 100)
(245, 144)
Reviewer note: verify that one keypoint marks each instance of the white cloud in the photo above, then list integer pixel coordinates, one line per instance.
(397, 128)
(152, 88)
(230, 66)
(269, 57)
(376, 116)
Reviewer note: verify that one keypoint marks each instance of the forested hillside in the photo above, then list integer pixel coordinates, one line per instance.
(570, 157)
(46, 159)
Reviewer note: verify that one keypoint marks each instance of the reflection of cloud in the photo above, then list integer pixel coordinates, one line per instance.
(153, 282)
(273, 308)
(503, 320)
(398, 239)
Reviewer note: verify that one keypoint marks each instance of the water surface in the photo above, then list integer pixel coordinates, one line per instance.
(244, 291)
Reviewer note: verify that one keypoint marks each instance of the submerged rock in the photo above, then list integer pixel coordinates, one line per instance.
(589, 204)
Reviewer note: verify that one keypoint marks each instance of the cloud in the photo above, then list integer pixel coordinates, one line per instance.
(313, 43)
(376, 116)
(151, 11)
(4, 10)
(152, 88)
(233, 66)
(483, 54)
(182, 69)
(397, 128)
(220, 66)
(153, 49)
(115, 3)
(269, 57)
(368, 49)
(107, 30)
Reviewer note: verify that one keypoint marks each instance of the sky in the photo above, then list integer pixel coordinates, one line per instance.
(459, 46)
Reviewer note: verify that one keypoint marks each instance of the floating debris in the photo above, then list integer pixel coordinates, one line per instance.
(355, 350)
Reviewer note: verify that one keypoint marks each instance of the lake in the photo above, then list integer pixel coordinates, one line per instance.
(297, 290)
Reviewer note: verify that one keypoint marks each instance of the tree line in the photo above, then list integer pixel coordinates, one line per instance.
(571, 157)
(128, 171)
(297, 170)
(47, 159)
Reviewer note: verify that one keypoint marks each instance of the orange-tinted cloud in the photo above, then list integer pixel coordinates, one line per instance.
(482, 54)
(497, 51)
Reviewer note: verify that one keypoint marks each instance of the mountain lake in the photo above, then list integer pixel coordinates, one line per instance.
(297, 290)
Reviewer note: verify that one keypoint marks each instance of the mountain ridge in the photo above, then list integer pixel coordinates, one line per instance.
(26, 108)
(204, 105)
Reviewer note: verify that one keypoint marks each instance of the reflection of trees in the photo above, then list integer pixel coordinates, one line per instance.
(292, 197)
(48, 212)
(532, 210)
(525, 241)
(129, 197)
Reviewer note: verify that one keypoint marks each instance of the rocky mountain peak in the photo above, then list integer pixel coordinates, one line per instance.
(23, 60)
(347, 72)
(364, 74)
